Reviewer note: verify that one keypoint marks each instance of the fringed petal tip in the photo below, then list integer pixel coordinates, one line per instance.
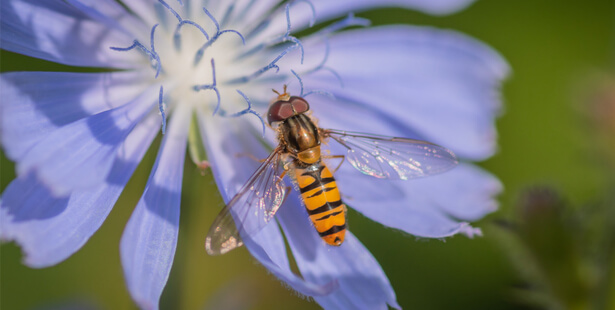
(469, 231)
(29, 256)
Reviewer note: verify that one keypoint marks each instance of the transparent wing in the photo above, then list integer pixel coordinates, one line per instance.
(393, 158)
(250, 209)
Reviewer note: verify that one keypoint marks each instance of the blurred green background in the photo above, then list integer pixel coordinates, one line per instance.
(557, 50)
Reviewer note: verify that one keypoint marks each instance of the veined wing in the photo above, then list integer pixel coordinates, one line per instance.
(393, 158)
(251, 208)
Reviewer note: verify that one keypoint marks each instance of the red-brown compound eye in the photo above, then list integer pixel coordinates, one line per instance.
(299, 104)
(279, 111)
(283, 109)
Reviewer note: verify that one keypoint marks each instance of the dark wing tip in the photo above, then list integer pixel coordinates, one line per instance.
(217, 245)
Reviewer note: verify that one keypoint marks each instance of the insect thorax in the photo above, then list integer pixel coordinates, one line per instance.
(301, 138)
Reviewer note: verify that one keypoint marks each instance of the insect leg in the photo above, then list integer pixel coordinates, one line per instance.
(251, 156)
(286, 168)
(336, 156)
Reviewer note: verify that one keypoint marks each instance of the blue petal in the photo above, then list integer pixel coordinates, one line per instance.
(269, 249)
(150, 238)
(34, 104)
(436, 85)
(56, 31)
(328, 9)
(49, 229)
(80, 154)
(144, 9)
(110, 13)
(362, 283)
(433, 207)
(466, 193)
(246, 14)
(302, 15)
(226, 140)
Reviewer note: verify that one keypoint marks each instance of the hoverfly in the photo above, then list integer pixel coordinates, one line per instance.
(298, 152)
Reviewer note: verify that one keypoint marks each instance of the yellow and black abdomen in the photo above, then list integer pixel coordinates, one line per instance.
(323, 202)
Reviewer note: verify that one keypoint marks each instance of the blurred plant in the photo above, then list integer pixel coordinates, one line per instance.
(566, 253)
(596, 102)
(600, 114)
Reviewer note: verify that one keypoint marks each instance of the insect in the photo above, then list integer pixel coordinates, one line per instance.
(299, 152)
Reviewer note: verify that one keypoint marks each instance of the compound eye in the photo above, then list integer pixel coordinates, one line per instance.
(299, 104)
(279, 111)
(286, 111)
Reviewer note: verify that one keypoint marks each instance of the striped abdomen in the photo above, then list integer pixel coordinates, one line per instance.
(323, 202)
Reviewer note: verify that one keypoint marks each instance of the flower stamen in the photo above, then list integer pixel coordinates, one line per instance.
(287, 37)
(297, 43)
(320, 92)
(168, 7)
(177, 37)
(181, 23)
(246, 111)
(300, 82)
(284, 38)
(321, 66)
(201, 51)
(162, 109)
(349, 21)
(271, 65)
(151, 53)
(213, 86)
(312, 20)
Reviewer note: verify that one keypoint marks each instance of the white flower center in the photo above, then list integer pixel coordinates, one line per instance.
(192, 57)
(202, 63)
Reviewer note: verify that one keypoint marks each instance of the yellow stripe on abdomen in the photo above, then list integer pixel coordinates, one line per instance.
(323, 202)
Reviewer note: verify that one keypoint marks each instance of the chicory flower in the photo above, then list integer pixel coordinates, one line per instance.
(207, 68)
